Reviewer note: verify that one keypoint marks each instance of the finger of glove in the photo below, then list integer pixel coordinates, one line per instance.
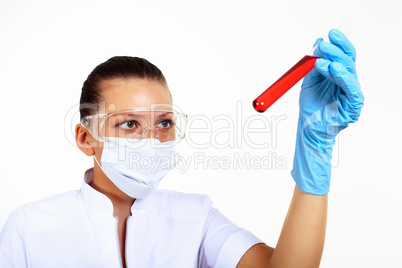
(335, 54)
(319, 40)
(317, 52)
(314, 76)
(337, 38)
(323, 67)
(350, 86)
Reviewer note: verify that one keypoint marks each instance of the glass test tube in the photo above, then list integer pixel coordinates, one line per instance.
(291, 77)
(284, 83)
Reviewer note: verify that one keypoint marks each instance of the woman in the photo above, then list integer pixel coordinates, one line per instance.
(118, 219)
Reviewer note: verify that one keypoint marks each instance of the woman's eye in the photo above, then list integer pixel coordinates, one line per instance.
(165, 124)
(128, 124)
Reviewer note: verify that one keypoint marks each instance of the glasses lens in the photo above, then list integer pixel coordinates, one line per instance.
(164, 125)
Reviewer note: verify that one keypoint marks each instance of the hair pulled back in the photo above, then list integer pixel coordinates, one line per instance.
(115, 67)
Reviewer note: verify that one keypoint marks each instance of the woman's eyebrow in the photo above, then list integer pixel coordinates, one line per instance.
(158, 116)
(133, 115)
(164, 114)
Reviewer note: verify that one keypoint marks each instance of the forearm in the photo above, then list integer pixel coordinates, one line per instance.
(330, 99)
(301, 241)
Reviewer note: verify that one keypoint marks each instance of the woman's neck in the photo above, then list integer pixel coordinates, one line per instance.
(121, 202)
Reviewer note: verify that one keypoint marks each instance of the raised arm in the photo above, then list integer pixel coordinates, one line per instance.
(330, 99)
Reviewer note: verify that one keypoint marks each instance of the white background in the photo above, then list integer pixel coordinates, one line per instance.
(216, 56)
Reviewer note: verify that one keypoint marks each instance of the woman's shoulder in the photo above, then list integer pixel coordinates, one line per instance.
(51, 205)
(179, 196)
(66, 198)
(189, 205)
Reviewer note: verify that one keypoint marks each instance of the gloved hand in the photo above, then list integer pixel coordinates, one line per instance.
(330, 99)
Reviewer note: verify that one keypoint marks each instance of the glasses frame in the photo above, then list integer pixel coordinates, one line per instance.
(102, 117)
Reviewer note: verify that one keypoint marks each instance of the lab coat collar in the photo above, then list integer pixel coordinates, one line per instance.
(100, 202)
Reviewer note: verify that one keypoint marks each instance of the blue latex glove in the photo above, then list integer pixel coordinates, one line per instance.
(330, 99)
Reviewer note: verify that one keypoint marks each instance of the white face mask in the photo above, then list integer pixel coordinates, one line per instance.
(136, 167)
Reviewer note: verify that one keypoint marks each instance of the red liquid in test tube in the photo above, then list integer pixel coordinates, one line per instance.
(283, 84)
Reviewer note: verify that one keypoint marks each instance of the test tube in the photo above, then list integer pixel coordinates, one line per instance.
(291, 77)
(284, 83)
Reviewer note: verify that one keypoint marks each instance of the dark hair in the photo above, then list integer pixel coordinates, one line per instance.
(115, 67)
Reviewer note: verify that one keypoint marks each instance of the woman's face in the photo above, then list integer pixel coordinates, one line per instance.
(132, 93)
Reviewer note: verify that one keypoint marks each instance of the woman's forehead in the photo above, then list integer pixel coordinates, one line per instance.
(133, 93)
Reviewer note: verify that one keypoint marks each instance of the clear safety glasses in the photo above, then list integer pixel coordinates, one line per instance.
(162, 124)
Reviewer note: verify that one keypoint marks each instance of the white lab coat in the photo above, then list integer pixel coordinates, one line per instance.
(77, 229)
